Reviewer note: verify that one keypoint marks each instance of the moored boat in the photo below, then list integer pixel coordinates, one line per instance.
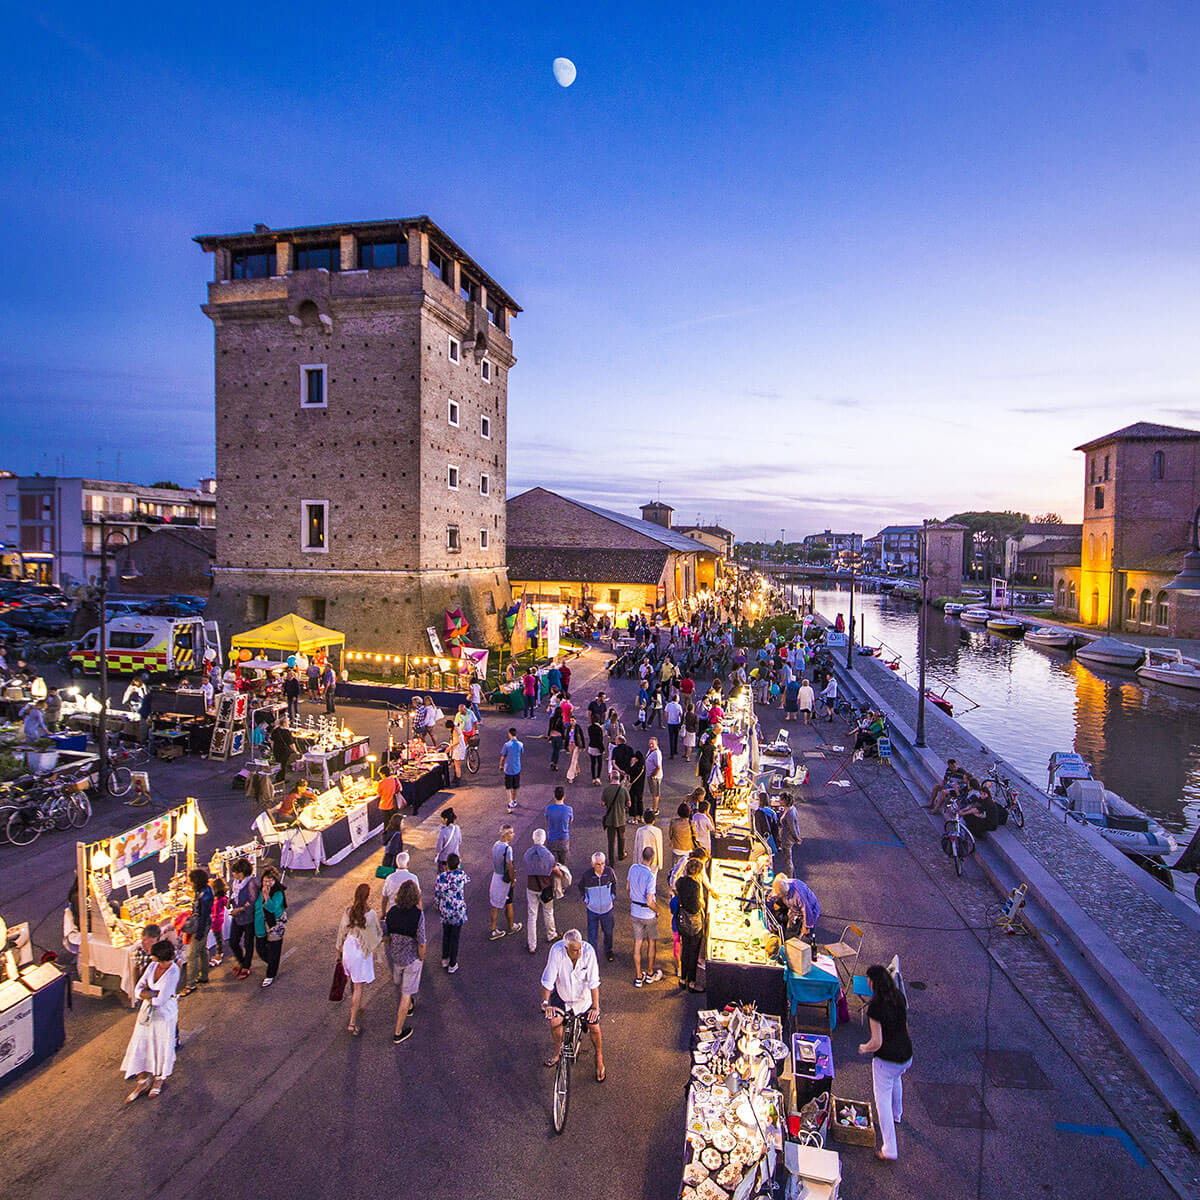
(975, 616)
(1177, 673)
(1109, 652)
(1006, 625)
(1050, 637)
(1121, 824)
(953, 608)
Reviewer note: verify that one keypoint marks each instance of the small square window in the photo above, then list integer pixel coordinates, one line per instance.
(452, 478)
(312, 385)
(314, 530)
(485, 371)
(453, 351)
(452, 413)
(485, 485)
(452, 539)
(485, 427)
(614, 595)
(1098, 498)
(483, 539)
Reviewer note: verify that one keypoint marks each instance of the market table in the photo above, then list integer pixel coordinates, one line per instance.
(32, 1018)
(326, 766)
(818, 986)
(419, 783)
(311, 845)
(398, 697)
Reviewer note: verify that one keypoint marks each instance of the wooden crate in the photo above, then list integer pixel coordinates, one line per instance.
(856, 1135)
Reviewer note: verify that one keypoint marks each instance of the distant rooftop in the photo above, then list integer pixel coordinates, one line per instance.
(1144, 431)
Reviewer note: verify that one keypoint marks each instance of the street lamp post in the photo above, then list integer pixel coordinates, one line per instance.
(102, 646)
(922, 634)
(850, 627)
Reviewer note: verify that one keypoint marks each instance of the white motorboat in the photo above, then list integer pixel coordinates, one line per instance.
(1109, 652)
(1050, 637)
(1006, 625)
(1177, 672)
(975, 616)
(1118, 822)
(953, 608)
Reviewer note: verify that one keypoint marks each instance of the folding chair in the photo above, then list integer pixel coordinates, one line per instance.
(862, 988)
(145, 880)
(844, 948)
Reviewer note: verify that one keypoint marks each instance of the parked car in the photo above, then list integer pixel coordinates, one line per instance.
(124, 608)
(41, 622)
(197, 603)
(13, 637)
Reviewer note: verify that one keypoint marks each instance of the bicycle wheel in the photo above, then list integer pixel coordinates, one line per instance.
(80, 809)
(120, 780)
(24, 827)
(562, 1093)
(958, 862)
(60, 813)
(1017, 813)
(6, 811)
(473, 760)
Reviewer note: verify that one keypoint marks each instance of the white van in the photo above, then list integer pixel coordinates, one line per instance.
(151, 644)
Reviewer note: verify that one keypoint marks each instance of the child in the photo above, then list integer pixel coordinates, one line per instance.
(219, 908)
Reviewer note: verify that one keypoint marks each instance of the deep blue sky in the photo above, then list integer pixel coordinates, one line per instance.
(803, 264)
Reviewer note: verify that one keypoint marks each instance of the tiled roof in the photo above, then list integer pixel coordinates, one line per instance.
(715, 530)
(1144, 431)
(540, 517)
(1052, 545)
(584, 565)
(1170, 563)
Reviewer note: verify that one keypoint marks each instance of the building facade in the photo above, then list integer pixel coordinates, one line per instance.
(567, 553)
(900, 548)
(52, 524)
(715, 537)
(841, 545)
(1141, 490)
(1031, 556)
(170, 561)
(361, 385)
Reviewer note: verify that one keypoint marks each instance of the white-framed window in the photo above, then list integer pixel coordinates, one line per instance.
(483, 543)
(313, 392)
(485, 485)
(452, 478)
(453, 541)
(453, 350)
(314, 526)
(485, 427)
(485, 370)
(452, 413)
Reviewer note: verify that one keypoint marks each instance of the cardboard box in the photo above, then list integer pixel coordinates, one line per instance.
(856, 1135)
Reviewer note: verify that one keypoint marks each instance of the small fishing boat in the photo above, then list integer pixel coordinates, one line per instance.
(1109, 652)
(1177, 672)
(953, 608)
(1121, 824)
(1050, 637)
(1009, 626)
(940, 701)
(975, 616)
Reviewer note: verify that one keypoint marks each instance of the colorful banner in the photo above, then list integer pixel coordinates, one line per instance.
(145, 840)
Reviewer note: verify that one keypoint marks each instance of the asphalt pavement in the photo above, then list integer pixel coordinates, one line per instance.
(270, 1094)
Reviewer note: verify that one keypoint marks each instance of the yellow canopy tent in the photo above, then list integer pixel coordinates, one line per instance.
(291, 634)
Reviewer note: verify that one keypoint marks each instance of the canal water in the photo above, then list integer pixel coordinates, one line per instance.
(1144, 742)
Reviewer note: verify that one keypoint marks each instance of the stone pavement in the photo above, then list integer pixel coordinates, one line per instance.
(270, 1096)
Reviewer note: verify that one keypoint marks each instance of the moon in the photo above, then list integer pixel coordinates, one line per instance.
(564, 71)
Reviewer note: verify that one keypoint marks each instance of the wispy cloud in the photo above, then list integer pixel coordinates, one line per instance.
(711, 318)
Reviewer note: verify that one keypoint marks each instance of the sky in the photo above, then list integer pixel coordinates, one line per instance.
(791, 267)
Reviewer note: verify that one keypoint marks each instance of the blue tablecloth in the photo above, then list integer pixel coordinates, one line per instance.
(398, 697)
(49, 1031)
(814, 987)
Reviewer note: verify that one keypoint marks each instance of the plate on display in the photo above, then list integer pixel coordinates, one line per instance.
(703, 1075)
(693, 1173)
(777, 1050)
(709, 1191)
(711, 1159)
(723, 1140)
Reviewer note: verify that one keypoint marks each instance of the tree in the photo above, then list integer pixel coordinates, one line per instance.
(1048, 519)
(988, 533)
(166, 483)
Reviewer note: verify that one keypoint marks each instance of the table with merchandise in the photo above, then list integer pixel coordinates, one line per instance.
(340, 820)
(742, 955)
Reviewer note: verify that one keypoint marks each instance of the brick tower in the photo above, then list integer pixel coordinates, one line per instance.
(361, 412)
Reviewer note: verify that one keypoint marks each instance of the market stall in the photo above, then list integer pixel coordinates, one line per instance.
(331, 749)
(743, 955)
(340, 820)
(735, 1110)
(33, 999)
(133, 879)
(289, 635)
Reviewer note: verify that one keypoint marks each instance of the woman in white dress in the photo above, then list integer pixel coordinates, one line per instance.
(359, 936)
(150, 1055)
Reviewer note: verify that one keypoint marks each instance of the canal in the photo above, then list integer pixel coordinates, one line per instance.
(1144, 742)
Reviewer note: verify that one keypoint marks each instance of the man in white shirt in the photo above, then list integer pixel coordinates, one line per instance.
(650, 835)
(132, 697)
(643, 908)
(571, 983)
(829, 697)
(392, 884)
(654, 772)
(673, 712)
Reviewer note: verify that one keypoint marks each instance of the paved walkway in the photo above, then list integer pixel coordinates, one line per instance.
(270, 1096)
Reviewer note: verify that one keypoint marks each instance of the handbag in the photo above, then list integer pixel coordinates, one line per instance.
(276, 932)
(337, 989)
(191, 924)
(383, 871)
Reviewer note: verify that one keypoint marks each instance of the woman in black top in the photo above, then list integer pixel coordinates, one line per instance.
(637, 784)
(890, 1043)
(595, 747)
(689, 892)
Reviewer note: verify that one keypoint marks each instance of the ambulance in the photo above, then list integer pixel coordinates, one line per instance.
(156, 645)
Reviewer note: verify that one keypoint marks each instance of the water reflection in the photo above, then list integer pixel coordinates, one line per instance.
(1144, 742)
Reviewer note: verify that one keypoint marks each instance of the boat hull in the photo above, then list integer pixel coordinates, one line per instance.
(1054, 639)
(1006, 627)
(1109, 652)
(1174, 676)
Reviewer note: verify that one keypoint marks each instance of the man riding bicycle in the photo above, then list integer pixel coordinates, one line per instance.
(571, 982)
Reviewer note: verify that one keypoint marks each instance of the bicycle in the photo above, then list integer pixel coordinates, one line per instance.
(957, 840)
(572, 1036)
(119, 776)
(64, 807)
(1006, 795)
(472, 761)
